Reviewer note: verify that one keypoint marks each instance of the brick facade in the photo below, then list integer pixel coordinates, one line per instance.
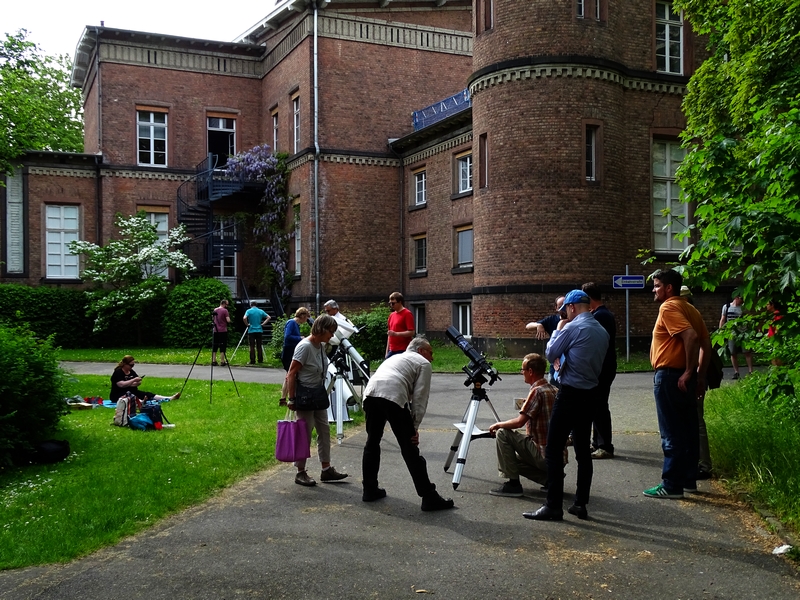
(540, 77)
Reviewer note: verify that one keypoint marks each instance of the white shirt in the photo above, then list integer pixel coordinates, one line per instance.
(403, 379)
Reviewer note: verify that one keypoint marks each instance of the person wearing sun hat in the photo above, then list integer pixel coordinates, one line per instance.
(582, 341)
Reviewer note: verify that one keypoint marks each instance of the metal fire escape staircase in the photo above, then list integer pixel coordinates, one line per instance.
(211, 242)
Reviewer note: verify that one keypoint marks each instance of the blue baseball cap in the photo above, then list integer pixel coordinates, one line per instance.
(576, 297)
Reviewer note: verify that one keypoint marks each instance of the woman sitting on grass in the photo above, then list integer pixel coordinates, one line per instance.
(125, 380)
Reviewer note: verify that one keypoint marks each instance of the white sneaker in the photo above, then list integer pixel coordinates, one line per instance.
(168, 426)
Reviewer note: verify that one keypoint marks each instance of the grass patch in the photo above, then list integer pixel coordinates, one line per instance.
(118, 481)
(755, 447)
(447, 359)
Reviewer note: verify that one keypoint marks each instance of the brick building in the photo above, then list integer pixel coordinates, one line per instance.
(551, 169)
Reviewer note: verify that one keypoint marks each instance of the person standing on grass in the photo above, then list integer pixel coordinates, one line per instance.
(680, 353)
(255, 319)
(401, 326)
(219, 341)
(730, 312)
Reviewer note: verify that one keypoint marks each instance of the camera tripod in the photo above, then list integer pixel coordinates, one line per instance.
(461, 441)
(211, 379)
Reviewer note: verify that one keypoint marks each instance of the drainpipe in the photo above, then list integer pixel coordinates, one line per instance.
(316, 164)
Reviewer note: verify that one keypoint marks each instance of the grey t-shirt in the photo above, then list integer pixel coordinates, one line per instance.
(314, 361)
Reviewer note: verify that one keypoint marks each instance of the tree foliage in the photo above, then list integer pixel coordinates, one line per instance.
(39, 110)
(742, 171)
(260, 165)
(129, 272)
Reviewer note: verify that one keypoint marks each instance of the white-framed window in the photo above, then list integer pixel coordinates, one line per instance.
(221, 138)
(420, 258)
(296, 117)
(298, 239)
(669, 38)
(61, 228)
(226, 234)
(464, 239)
(275, 122)
(420, 187)
(463, 318)
(591, 153)
(670, 215)
(151, 138)
(161, 222)
(580, 8)
(464, 172)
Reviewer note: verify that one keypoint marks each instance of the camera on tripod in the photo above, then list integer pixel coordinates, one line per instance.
(479, 370)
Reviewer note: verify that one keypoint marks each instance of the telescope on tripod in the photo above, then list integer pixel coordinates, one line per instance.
(479, 372)
(347, 368)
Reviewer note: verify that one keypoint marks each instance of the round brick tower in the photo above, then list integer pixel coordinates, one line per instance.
(563, 106)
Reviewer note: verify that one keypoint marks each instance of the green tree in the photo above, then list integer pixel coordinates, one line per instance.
(129, 272)
(742, 171)
(39, 110)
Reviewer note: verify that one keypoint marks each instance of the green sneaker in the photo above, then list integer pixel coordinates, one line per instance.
(661, 492)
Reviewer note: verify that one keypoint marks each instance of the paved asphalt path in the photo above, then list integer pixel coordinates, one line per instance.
(269, 538)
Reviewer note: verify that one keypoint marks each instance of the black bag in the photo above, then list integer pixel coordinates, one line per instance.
(310, 398)
(153, 410)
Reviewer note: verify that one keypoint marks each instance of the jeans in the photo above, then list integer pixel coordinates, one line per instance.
(677, 422)
(572, 412)
(378, 412)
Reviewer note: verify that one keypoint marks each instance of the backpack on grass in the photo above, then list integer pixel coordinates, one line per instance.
(152, 409)
(126, 408)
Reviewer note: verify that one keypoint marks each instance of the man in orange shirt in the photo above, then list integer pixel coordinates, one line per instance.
(679, 353)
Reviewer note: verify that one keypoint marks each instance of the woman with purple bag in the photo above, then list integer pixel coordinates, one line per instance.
(305, 388)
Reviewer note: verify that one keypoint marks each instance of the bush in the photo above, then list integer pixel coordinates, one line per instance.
(370, 341)
(187, 317)
(48, 311)
(31, 390)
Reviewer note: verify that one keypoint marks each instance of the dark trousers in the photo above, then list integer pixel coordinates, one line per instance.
(255, 339)
(680, 435)
(572, 412)
(220, 341)
(601, 434)
(378, 412)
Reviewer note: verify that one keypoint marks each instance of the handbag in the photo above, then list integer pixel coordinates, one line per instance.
(292, 443)
(310, 398)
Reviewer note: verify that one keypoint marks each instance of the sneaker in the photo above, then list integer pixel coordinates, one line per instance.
(509, 489)
(370, 495)
(600, 453)
(690, 488)
(302, 478)
(434, 501)
(735, 376)
(330, 474)
(223, 364)
(168, 426)
(579, 510)
(660, 491)
(214, 363)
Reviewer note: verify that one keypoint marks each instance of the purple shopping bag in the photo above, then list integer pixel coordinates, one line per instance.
(292, 443)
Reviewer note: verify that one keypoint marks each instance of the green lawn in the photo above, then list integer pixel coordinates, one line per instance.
(447, 359)
(118, 481)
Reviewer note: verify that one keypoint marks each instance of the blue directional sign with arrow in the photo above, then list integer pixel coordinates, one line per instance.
(628, 282)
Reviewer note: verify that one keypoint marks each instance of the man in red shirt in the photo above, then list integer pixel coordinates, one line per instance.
(401, 326)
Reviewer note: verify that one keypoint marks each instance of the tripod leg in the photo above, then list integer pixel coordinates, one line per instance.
(194, 362)
(340, 408)
(494, 412)
(227, 362)
(237, 346)
(453, 449)
(463, 448)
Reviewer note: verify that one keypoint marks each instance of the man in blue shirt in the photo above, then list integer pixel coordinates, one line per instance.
(583, 342)
(255, 319)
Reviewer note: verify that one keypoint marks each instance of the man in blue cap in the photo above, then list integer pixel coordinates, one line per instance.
(582, 341)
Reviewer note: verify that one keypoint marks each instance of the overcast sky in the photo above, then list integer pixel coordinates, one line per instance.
(57, 26)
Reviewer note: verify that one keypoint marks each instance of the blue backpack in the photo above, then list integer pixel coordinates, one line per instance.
(141, 422)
